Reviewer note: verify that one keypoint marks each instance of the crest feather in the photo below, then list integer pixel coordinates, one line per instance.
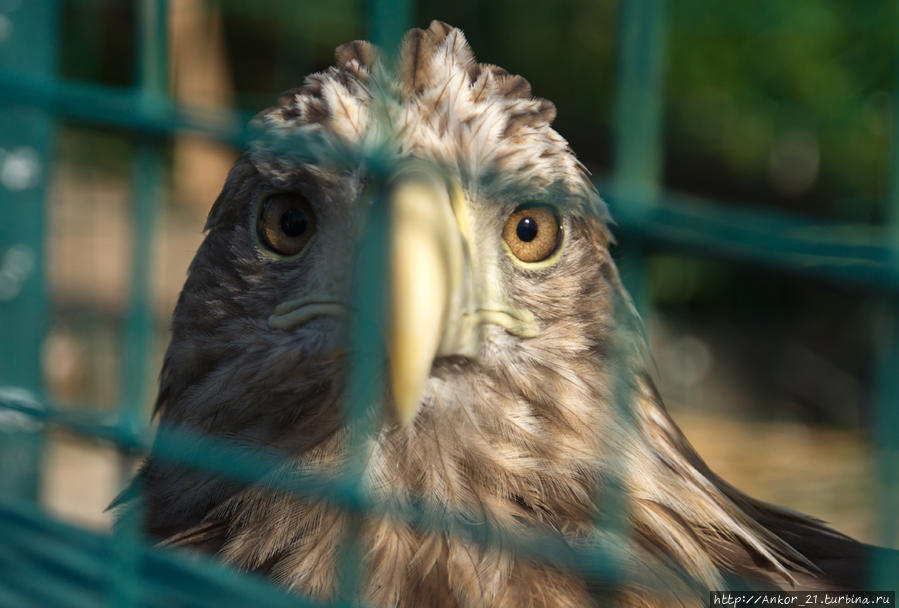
(362, 51)
(426, 54)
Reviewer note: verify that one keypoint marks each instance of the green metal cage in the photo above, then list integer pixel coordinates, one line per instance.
(45, 562)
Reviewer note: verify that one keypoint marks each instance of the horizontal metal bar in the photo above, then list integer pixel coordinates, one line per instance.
(600, 561)
(118, 107)
(66, 558)
(235, 462)
(858, 255)
(854, 254)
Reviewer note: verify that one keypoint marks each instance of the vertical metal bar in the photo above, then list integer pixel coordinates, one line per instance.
(886, 419)
(636, 179)
(364, 385)
(295, 53)
(389, 20)
(638, 99)
(146, 180)
(637, 130)
(152, 83)
(26, 136)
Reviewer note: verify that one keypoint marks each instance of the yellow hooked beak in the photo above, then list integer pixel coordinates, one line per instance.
(439, 296)
(426, 260)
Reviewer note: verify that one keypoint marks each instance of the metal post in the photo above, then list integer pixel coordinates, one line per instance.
(389, 20)
(637, 128)
(636, 180)
(26, 136)
(886, 415)
(152, 84)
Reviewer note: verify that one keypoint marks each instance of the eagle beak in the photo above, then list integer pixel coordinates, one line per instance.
(427, 262)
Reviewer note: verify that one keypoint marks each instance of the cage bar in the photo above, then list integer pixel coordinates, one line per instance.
(26, 139)
(47, 560)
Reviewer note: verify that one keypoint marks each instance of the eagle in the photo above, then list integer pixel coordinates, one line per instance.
(518, 391)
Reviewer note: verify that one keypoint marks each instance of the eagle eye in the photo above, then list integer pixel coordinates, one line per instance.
(286, 223)
(533, 232)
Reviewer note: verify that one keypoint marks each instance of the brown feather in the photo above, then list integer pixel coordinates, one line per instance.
(361, 51)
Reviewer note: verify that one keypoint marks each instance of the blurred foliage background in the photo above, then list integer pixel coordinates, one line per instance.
(781, 106)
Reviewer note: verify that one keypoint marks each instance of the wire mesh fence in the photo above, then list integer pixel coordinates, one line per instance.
(47, 562)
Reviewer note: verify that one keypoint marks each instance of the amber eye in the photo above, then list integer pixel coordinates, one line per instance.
(532, 232)
(286, 223)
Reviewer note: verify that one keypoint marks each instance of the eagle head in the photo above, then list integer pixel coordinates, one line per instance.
(517, 390)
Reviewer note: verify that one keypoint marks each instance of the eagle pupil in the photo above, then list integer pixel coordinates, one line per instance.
(526, 230)
(294, 222)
